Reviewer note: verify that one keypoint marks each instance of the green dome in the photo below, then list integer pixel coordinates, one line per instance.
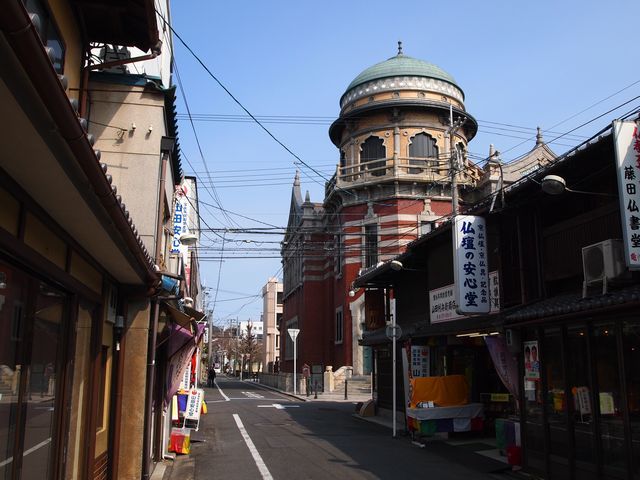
(401, 66)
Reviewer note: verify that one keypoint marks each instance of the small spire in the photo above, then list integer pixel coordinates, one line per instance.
(296, 180)
(307, 197)
(400, 48)
(539, 140)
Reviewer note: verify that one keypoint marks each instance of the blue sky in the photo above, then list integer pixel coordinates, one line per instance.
(520, 64)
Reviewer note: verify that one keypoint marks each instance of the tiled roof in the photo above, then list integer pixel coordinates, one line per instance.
(574, 303)
(401, 65)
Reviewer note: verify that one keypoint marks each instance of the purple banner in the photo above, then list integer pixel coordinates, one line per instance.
(180, 348)
(505, 363)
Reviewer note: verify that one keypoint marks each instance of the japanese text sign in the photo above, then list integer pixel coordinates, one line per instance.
(470, 265)
(626, 136)
(180, 215)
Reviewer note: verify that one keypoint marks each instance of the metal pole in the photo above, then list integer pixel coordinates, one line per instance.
(454, 176)
(295, 350)
(394, 375)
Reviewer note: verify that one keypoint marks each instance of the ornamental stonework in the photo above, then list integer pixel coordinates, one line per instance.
(395, 83)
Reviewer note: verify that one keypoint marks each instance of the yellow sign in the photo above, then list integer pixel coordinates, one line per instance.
(499, 397)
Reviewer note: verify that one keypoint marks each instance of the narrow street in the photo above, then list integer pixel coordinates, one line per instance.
(251, 432)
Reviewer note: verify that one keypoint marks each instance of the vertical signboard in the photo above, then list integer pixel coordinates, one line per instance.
(470, 265)
(626, 138)
(194, 408)
(420, 363)
(180, 214)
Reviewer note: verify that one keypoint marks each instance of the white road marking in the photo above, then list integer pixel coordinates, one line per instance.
(278, 406)
(262, 467)
(253, 395)
(27, 452)
(226, 399)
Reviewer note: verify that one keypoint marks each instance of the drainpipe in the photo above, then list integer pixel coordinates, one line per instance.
(166, 146)
(151, 364)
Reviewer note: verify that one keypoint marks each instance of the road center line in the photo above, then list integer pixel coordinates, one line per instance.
(226, 399)
(264, 471)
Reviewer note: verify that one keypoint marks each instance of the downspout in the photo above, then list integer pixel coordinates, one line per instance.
(151, 364)
(523, 290)
(147, 457)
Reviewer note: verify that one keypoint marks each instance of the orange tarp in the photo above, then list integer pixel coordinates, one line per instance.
(446, 391)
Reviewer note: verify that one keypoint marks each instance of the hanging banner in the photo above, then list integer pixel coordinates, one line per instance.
(504, 362)
(626, 139)
(374, 309)
(470, 265)
(180, 216)
(531, 361)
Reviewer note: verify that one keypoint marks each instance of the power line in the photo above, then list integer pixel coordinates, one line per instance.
(212, 192)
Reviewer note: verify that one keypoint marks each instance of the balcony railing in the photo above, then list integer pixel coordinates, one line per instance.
(402, 168)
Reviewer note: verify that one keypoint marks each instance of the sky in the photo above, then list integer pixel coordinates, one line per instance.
(556, 65)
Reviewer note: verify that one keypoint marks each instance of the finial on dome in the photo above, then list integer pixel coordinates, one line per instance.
(539, 140)
(400, 48)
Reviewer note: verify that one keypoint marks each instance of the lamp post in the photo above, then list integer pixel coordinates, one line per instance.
(293, 333)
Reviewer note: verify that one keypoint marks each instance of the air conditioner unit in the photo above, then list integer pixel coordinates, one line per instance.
(602, 262)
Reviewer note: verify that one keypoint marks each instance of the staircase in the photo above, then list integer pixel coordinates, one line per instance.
(358, 387)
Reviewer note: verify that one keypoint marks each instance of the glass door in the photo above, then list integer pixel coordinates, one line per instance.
(31, 321)
(581, 404)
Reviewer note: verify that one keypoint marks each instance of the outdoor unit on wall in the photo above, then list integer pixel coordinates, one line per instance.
(601, 262)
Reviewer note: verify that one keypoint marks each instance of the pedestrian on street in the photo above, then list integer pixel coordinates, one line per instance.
(211, 377)
(306, 373)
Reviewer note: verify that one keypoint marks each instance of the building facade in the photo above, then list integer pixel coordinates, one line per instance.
(396, 142)
(271, 318)
(87, 277)
(554, 361)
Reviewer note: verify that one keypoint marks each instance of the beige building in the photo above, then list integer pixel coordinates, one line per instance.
(271, 316)
(86, 240)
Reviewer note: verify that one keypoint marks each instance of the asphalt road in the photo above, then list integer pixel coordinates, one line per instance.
(254, 433)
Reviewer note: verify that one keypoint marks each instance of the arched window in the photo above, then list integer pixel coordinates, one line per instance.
(421, 148)
(373, 149)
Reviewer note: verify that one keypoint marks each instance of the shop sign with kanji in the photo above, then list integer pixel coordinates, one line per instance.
(470, 264)
(626, 136)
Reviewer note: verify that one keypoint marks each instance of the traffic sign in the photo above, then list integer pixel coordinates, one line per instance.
(393, 331)
(293, 333)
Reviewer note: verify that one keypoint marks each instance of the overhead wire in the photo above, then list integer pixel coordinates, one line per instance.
(212, 191)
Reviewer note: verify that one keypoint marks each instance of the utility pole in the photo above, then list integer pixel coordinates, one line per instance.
(451, 131)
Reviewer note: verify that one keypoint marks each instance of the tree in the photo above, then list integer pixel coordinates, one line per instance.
(249, 347)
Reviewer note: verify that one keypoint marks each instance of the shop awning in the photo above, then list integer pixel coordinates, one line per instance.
(186, 319)
(181, 345)
(462, 326)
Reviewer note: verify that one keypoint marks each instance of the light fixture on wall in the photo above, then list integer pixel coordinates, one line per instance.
(188, 239)
(118, 327)
(396, 265)
(556, 185)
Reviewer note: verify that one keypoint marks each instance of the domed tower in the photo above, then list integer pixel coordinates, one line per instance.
(393, 133)
(393, 183)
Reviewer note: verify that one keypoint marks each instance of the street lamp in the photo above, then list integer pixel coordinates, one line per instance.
(293, 333)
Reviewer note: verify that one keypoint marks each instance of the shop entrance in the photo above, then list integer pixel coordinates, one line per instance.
(32, 317)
